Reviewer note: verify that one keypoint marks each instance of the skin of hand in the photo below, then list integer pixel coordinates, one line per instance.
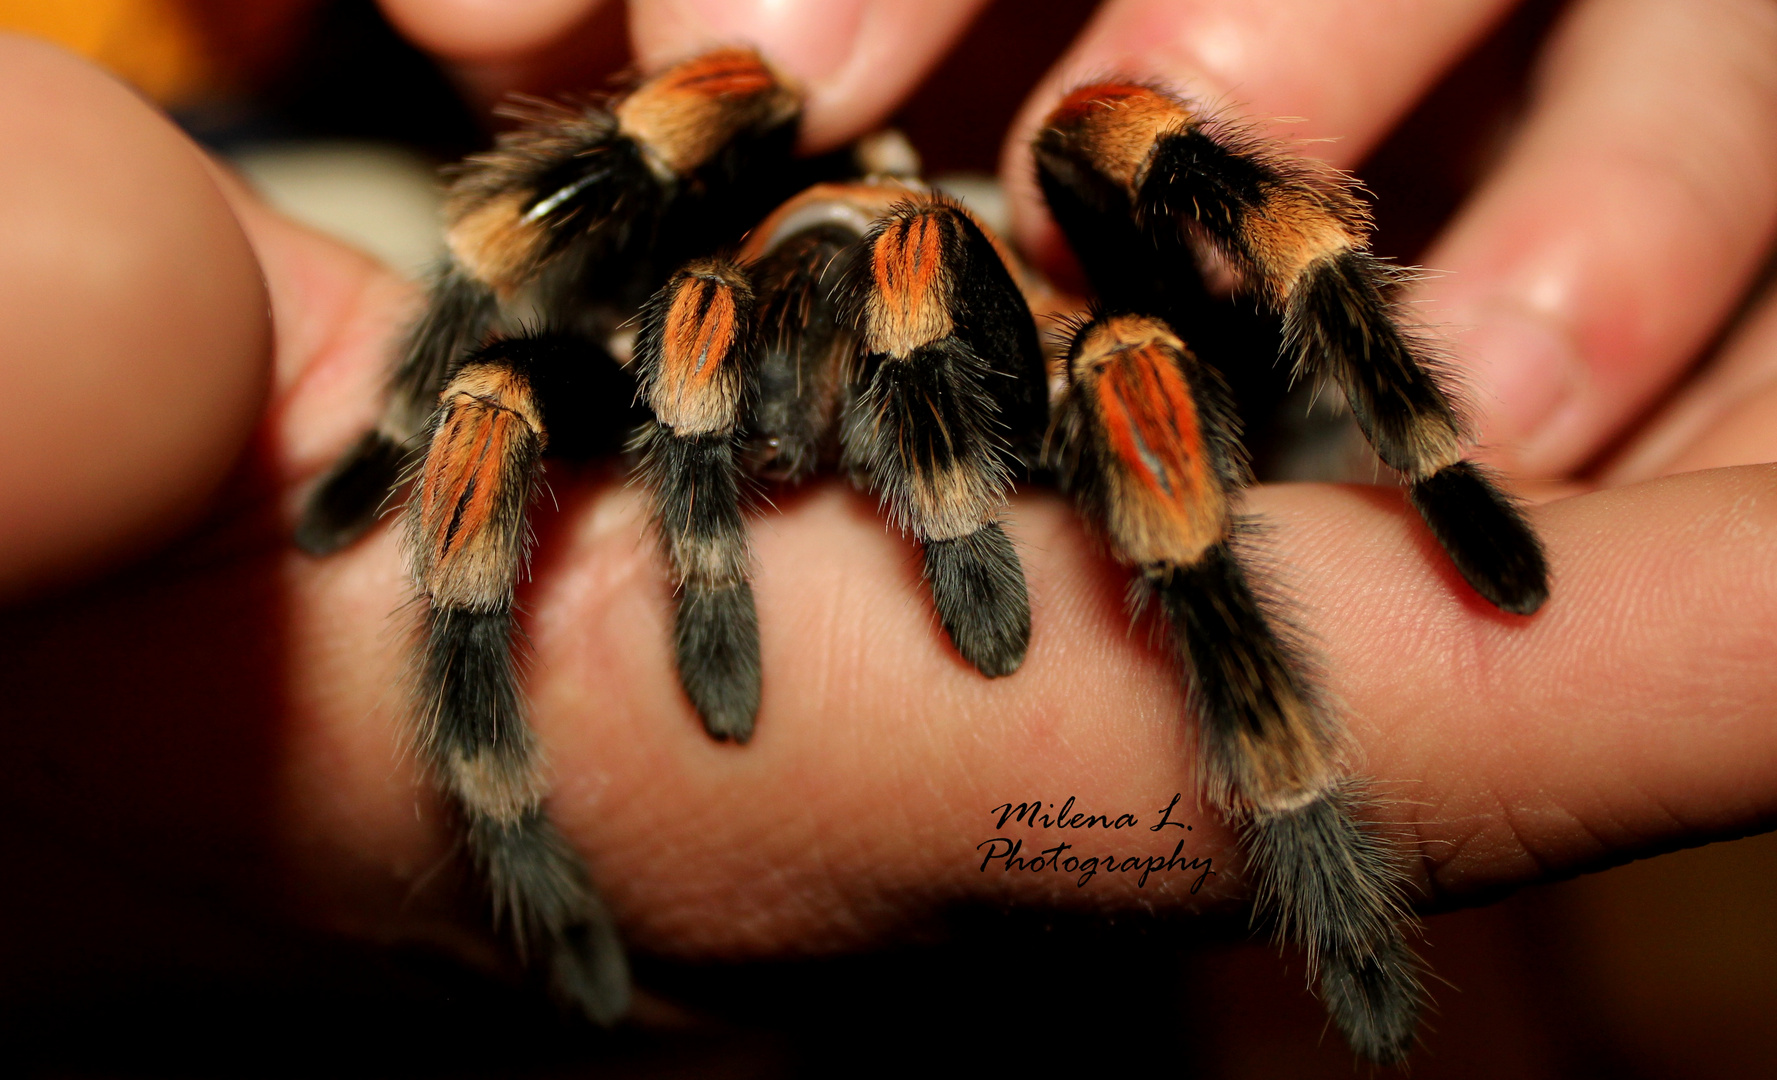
(223, 719)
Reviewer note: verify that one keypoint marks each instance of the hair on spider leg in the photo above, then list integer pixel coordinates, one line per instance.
(1148, 444)
(697, 364)
(1485, 532)
(1136, 175)
(1333, 882)
(953, 391)
(352, 494)
(772, 364)
(467, 540)
(600, 200)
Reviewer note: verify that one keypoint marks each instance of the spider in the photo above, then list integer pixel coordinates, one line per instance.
(654, 272)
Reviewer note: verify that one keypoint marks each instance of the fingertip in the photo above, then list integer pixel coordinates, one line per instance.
(855, 59)
(134, 340)
(485, 30)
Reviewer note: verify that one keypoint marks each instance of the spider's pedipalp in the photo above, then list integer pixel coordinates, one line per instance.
(466, 540)
(1484, 531)
(696, 359)
(799, 255)
(804, 354)
(952, 384)
(1148, 444)
(1135, 173)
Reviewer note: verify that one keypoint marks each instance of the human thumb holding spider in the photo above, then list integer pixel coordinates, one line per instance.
(264, 726)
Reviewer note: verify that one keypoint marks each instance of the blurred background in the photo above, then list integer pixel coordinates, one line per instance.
(1664, 967)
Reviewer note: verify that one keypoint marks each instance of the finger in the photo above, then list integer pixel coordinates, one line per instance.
(1630, 716)
(857, 59)
(1622, 227)
(133, 334)
(336, 313)
(486, 30)
(1348, 68)
(1633, 714)
(1724, 417)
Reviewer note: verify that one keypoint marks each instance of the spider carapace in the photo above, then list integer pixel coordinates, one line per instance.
(790, 316)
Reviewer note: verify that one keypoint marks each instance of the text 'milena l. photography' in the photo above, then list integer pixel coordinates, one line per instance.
(1088, 855)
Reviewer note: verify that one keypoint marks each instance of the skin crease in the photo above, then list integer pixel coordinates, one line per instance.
(1630, 716)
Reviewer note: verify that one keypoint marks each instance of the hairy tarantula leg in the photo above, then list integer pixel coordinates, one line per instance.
(346, 502)
(611, 174)
(605, 181)
(953, 380)
(1120, 152)
(1149, 447)
(695, 354)
(466, 544)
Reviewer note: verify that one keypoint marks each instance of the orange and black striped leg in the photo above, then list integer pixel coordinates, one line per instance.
(612, 181)
(466, 542)
(952, 380)
(1298, 236)
(695, 354)
(1339, 318)
(622, 186)
(346, 502)
(1148, 446)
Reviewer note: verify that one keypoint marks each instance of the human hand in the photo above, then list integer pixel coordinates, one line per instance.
(1569, 742)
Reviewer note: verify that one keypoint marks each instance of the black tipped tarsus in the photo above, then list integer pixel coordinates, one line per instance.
(1332, 884)
(1486, 535)
(696, 487)
(539, 885)
(348, 499)
(716, 642)
(978, 587)
(474, 737)
(1375, 998)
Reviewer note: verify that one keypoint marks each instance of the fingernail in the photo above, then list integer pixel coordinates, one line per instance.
(1528, 376)
(811, 40)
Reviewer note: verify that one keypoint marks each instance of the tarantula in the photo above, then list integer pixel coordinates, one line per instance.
(871, 324)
